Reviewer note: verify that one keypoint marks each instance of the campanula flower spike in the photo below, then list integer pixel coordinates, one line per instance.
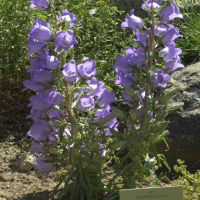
(72, 112)
(144, 73)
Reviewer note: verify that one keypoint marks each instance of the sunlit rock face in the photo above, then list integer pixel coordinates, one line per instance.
(184, 125)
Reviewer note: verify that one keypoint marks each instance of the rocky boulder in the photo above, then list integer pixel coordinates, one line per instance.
(184, 125)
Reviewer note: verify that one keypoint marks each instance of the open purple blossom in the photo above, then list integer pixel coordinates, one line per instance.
(42, 165)
(170, 51)
(52, 136)
(54, 113)
(39, 31)
(37, 135)
(42, 76)
(37, 147)
(156, 4)
(111, 124)
(122, 64)
(87, 69)
(140, 38)
(106, 97)
(52, 62)
(127, 98)
(132, 21)
(172, 65)
(125, 79)
(70, 71)
(40, 126)
(97, 87)
(41, 22)
(159, 78)
(162, 28)
(170, 35)
(135, 56)
(39, 102)
(65, 39)
(40, 4)
(35, 68)
(170, 12)
(43, 101)
(29, 84)
(36, 114)
(36, 64)
(53, 97)
(102, 112)
(35, 47)
(85, 102)
(68, 18)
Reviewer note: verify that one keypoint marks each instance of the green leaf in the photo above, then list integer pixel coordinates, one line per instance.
(106, 119)
(133, 115)
(117, 134)
(168, 93)
(66, 26)
(60, 175)
(118, 144)
(161, 116)
(174, 106)
(119, 113)
(131, 92)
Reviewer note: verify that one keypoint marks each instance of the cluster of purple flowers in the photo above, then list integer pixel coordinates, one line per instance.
(167, 33)
(45, 103)
(94, 97)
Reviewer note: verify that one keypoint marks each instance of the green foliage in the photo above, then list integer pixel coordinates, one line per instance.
(99, 35)
(190, 29)
(15, 20)
(190, 182)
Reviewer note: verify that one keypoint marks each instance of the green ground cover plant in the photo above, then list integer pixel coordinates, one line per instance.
(190, 182)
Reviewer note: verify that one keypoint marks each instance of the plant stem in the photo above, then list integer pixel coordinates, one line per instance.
(148, 75)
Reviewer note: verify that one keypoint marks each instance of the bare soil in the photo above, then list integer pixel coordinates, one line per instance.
(17, 184)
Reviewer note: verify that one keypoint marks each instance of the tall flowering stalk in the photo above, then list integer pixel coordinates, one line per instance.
(144, 73)
(71, 108)
(74, 121)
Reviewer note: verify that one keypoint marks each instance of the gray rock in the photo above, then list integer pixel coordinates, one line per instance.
(187, 121)
(26, 162)
(184, 125)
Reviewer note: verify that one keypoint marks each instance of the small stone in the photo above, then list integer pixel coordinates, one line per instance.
(26, 161)
(165, 179)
